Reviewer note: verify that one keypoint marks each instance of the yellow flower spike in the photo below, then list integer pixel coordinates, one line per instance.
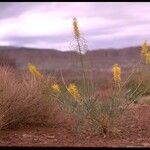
(76, 28)
(74, 91)
(116, 73)
(34, 71)
(147, 59)
(144, 48)
(56, 88)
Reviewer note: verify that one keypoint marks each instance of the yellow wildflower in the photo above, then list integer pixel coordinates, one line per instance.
(76, 28)
(55, 88)
(116, 73)
(74, 91)
(147, 58)
(34, 70)
(144, 48)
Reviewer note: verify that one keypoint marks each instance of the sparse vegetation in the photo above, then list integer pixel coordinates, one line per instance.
(23, 99)
(95, 104)
(94, 110)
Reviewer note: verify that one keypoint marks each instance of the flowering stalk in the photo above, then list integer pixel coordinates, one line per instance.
(77, 37)
(56, 88)
(147, 59)
(116, 74)
(34, 71)
(74, 91)
(144, 49)
(76, 28)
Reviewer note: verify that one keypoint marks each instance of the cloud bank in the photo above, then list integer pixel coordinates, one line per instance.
(49, 24)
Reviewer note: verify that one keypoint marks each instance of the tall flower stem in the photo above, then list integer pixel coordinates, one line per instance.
(81, 61)
(78, 39)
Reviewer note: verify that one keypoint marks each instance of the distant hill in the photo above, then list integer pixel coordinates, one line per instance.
(49, 59)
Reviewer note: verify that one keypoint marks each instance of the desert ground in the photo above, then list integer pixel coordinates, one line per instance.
(135, 132)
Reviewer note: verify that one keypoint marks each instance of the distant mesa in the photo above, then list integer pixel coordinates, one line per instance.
(52, 58)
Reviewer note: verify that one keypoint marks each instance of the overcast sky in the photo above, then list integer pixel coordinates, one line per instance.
(49, 24)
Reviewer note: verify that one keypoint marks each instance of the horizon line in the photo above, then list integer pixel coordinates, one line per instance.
(37, 48)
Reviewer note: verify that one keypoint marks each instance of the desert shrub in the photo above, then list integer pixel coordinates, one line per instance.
(94, 111)
(140, 80)
(99, 111)
(24, 99)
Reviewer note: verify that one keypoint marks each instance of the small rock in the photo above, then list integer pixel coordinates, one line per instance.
(55, 140)
(51, 137)
(139, 139)
(26, 136)
(44, 142)
(87, 137)
(35, 140)
(146, 144)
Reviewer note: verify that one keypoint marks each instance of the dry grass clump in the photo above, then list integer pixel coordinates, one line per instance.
(140, 80)
(24, 99)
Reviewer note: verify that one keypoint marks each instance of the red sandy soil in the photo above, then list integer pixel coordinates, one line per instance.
(132, 131)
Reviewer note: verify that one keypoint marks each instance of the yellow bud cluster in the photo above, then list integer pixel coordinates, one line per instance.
(147, 58)
(73, 91)
(34, 71)
(56, 88)
(144, 49)
(116, 73)
(145, 53)
(76, 28)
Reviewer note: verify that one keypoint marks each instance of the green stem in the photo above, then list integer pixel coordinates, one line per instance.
(82, 62)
